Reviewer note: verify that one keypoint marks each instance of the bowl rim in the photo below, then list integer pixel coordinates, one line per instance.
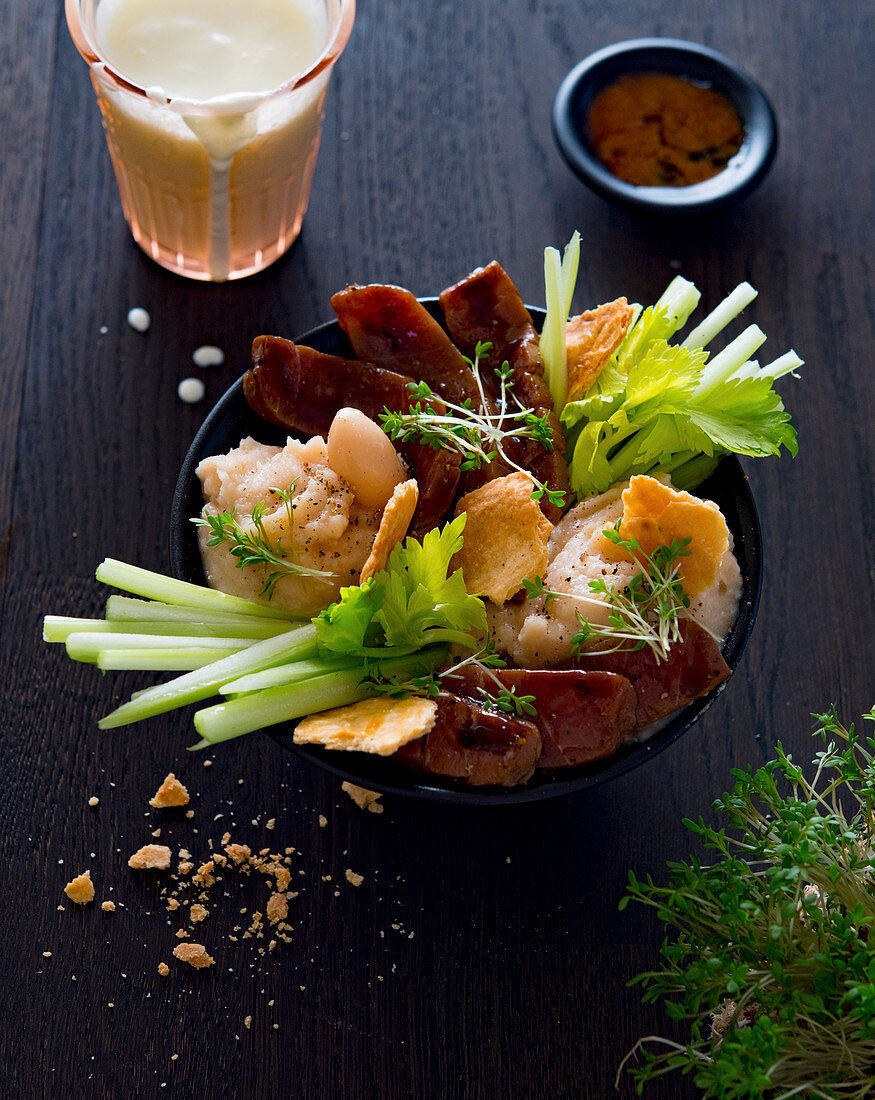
(743, 174)
(380, 773)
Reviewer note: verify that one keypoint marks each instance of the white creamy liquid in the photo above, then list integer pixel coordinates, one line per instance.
(200, 49)
(219, 52)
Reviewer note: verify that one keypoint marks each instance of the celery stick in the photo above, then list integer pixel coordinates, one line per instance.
(280, 704)
(57, 628)
(719, 318)
(679, 299)
(148, 660)
(732, 357)
(84, 645)
(690, 474)
(788, 363)
(124, 608)
(286, 674)
(143, 582)
(287, 702)
(297, 644)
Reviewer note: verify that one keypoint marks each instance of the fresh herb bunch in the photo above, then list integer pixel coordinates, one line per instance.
(253, 546)
(773, 961)
(645, 612)
(478, 435)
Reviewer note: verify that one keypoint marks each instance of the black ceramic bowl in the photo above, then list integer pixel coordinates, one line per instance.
(743, 173)
(232, 419)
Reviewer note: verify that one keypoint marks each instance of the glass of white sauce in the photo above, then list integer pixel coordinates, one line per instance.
(213, 112)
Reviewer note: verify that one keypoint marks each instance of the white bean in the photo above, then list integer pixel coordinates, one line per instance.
(361, 452)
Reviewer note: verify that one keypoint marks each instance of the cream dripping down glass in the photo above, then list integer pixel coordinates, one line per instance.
(213, 112)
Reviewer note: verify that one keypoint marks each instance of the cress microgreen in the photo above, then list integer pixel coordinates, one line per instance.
(478, 435)
(251, 545)
(770, 960)
(645, 612)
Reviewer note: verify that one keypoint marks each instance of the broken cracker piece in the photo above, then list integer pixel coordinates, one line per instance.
(353, 878)
(238, 852)
(170, 793)
(379, 725)
(80, 889)
(363, 798)
(195, 954)
(163, 969)
(591, 339)
(108, 906)
(393, 527)
(655, 514)
(197, 913)
(277, 908)
(505, 538)
(151, 857)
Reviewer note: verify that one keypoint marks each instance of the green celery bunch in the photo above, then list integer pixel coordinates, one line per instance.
(673, 408)
(771, 961)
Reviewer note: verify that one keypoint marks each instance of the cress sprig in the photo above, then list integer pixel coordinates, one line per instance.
(771, 962)
(478, 435)
(644, 612)
(253, 546)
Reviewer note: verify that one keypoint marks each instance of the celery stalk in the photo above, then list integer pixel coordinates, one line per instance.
(124, 609)
(560, 278)
(84, 645)
(719, 318)
(297, 644)
(57, 628)
(156, 660)
(732, 357)
(143, 582)
(286, 674)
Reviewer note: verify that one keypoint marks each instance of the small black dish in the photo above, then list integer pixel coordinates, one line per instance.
(744, 172)
(232, 419)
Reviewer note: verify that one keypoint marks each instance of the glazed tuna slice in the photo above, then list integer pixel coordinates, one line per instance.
(487, 307)
(389, 328)
(301, 389)
(582, 716)
(694, 667)
(481, 747)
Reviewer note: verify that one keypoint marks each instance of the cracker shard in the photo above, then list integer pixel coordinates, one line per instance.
(170, 793)
(591, 339)
(655, 514)
(506, 536)
(80, 889)
(151, 857)
(393, 527)
(379, 725)
(195, 954)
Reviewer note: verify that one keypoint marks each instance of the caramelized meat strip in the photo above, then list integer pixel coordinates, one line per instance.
(481, 747)
(389, 328)
(695, 665)
(301, 389)
(487, 307)
(582, 716)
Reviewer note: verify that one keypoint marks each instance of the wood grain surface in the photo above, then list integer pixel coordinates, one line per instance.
(483, 955)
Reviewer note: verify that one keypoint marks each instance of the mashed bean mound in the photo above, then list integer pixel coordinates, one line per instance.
(331, 530)
(538, 636)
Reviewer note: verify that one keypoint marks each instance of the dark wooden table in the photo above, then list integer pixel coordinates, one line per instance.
(484, 955)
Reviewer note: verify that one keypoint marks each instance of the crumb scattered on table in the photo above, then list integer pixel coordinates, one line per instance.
(353, 878)
(363, 798)
(170, 793)
(195, 954)
(80, 889)
(108, 906)
(151, 857)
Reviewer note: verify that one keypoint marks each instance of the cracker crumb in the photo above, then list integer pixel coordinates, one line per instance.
(363, 798)
(195, 954)
(156, 832)
(277, 908)
(173, 1057)
(182, 934)
(189, 813)
(353, 878)
(47, 954)
(205, 874)
(93, 800)
(247, 1022)
(108, 906)
(185, 866)
(238, 852)
(151, 857)
(163, 969)
(171, 793)
(323, 821)
(172, 904)
(80, 889)
(270, 824)
(208, 763)
(198, 913)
